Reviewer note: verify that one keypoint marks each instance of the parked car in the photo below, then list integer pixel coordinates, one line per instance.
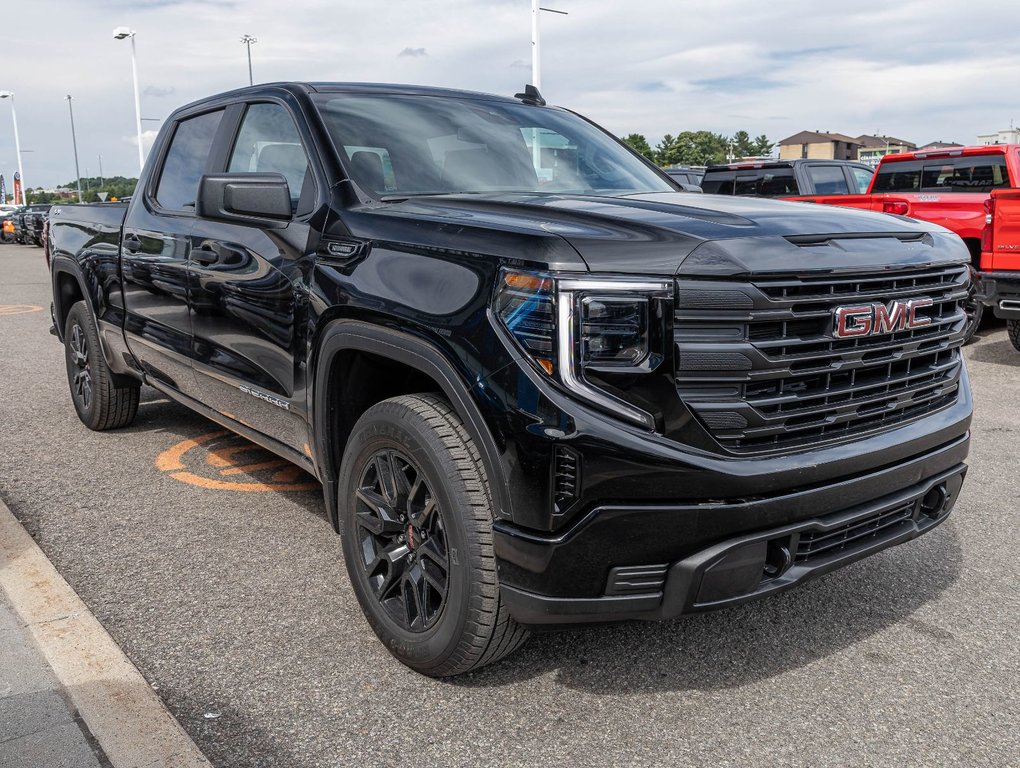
(999, 276)
(787, 178)
(34, 217)
(688, 178)
(7, 226)
(954, 188)
(529, 400)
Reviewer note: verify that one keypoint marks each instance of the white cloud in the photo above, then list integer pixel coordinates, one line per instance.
(913, 69)
(148, 139)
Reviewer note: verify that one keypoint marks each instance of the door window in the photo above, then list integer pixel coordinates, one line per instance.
(185, 161)
(828, 179)
(269, 143)
(862, 179)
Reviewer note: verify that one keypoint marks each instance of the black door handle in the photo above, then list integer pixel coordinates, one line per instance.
(132, 243)
(206, 255)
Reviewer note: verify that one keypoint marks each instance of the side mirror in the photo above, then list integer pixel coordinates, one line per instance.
(245, 198)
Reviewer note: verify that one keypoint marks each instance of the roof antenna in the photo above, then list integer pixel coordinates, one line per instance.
(531, 96)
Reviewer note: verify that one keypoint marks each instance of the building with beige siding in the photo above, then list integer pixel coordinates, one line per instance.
(818, 145)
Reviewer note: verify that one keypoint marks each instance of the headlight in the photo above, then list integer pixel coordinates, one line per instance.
(574, 326)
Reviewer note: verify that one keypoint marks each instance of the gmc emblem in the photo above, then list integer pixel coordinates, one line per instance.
(875, 319)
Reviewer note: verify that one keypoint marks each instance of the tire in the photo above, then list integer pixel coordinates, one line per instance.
(1013, 329)
(99, 403)
(398, 536)
(975, 311)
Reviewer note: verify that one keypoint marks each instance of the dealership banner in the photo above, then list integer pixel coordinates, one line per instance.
(17, 189)
(3, 190)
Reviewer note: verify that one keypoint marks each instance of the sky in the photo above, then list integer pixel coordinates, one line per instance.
(919, 71)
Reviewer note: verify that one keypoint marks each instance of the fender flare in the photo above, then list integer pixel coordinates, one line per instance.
(342, 335)
(62, 265)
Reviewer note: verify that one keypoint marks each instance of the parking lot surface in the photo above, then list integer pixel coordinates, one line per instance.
(212, 564)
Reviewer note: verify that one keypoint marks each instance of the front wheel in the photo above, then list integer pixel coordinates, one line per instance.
(98, 401)
(416, 524)
(1013, 329)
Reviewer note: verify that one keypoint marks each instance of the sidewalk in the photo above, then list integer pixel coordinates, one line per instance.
(69, 697)
(38, 725)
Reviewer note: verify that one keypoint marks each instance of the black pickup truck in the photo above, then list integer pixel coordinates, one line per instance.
(539, 384)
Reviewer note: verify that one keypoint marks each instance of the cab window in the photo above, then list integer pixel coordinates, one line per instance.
(185, 161)
(268, 142)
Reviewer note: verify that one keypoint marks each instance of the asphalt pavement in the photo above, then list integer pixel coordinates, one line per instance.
(214, 568)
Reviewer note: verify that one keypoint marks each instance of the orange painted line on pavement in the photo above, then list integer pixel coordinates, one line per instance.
(170, 459)
(18, 309)
(221, 485)
(225, 457)
(272, 464)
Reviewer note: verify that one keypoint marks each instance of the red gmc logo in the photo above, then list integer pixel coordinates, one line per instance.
(875, 319)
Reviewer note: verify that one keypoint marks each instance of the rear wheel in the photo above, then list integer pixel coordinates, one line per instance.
(416, 523)
(1013, 328)
(98, 401)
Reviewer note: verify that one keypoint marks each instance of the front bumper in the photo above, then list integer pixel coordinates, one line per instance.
(1001, 292)
(658, 561)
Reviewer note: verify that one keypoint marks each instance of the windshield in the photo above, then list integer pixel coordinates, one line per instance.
(397, 146)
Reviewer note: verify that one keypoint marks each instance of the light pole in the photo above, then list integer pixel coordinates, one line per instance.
(249, 41)
(536, 57)
(74, 143)
(17, 146)
(119, 34)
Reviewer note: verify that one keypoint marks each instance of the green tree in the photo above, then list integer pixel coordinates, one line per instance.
(666, 151)
(762, 146)
(699, 148)
(640, 144)
(741, 145)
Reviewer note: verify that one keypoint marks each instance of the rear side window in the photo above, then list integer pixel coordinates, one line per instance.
(862, 179)
(718, 183)
(761, 182)
(185, 161)
(268, 142)
(828, 179)
(978, 173)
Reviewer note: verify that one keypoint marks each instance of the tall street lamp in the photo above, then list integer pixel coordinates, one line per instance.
(119, 34)
(74, 143)
(17, 145)
(536, 57)
(249, 41)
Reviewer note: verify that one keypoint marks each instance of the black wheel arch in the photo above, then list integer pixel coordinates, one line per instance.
(413, 352)
(68, 288)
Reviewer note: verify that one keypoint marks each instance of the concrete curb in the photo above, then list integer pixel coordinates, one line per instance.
(121, 711)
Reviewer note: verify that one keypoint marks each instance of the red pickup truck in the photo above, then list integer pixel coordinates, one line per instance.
(972, 191)
(1000, 259)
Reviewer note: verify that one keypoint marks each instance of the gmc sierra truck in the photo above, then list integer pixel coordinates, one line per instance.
(539, 384)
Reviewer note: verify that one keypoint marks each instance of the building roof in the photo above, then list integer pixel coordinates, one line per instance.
(879, 142)
(817, 137)
(939, 145)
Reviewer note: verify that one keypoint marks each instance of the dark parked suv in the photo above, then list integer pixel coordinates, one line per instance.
(788, 178)
(539, 385)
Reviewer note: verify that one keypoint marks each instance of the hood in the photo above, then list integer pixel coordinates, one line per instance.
(649, 233)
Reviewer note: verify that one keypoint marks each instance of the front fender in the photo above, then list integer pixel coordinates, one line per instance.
(413, 352)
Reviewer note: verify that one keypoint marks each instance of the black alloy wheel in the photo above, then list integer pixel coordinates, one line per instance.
(81, 379)
(101, 400)
(415, 519)
(402, 540)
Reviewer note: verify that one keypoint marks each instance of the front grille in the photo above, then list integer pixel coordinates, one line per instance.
(814, 545)
(766, 373)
